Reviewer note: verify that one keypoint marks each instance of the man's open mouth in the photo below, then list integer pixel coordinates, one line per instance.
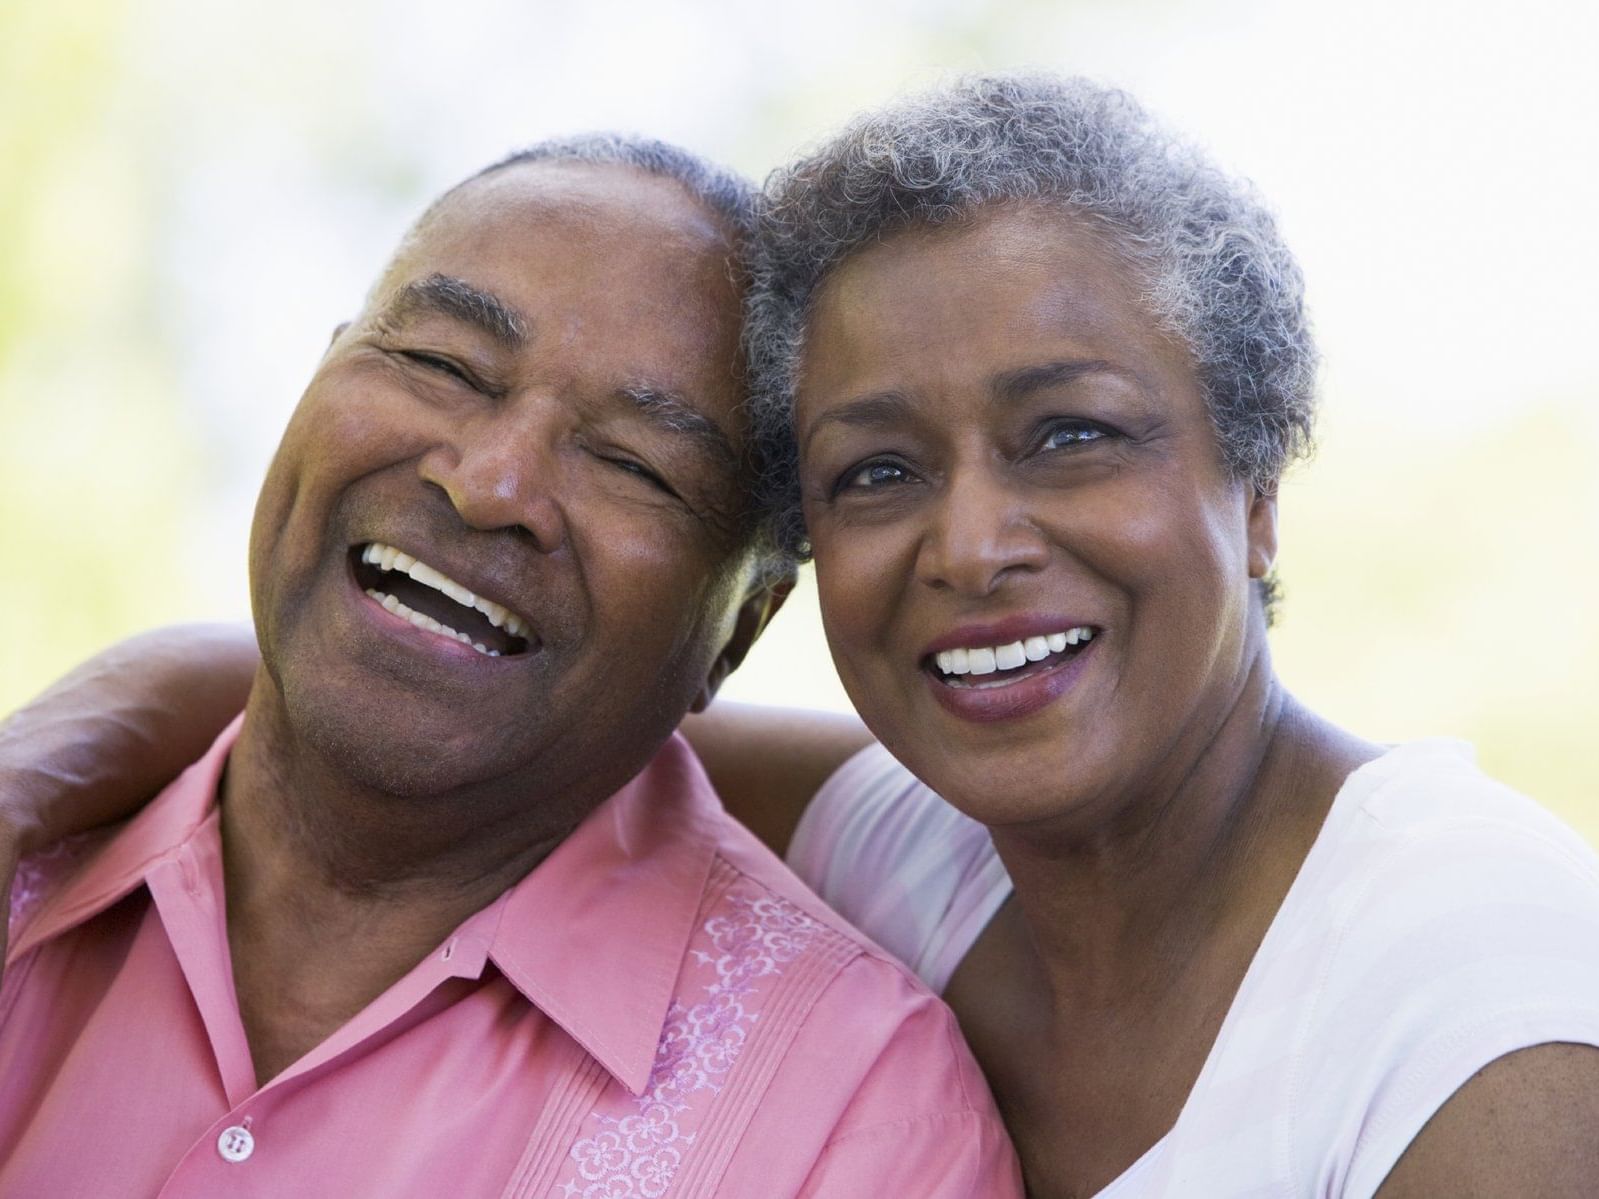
(984, 666)
(436, 603)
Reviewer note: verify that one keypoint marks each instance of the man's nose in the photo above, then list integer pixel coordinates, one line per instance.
(502, 471)
(980, 533)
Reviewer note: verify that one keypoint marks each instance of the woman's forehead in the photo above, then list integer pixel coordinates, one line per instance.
(1009, 282)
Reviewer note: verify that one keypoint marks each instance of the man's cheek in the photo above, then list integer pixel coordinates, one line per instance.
(641, 552)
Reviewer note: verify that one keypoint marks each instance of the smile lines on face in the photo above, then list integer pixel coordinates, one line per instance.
(984, 660)
(504, 632)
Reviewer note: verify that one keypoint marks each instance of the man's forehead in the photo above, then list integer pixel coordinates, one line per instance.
(622, 276)
(597, 194)
(611, 246)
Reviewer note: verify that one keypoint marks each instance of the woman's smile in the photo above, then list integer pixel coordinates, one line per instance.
(1012, 680)
(967, 666)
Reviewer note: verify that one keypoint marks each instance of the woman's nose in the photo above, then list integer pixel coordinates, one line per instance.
(980, 534)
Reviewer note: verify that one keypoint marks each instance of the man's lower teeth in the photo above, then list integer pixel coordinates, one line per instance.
(423, 621)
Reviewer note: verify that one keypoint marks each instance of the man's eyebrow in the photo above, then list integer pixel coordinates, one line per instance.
(1012, 386)
(457, 299)
(670, 412)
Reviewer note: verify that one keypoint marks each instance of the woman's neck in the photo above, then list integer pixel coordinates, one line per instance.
(1123, 952)
(1207, 847)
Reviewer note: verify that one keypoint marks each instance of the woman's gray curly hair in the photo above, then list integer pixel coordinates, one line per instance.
(1214, 268)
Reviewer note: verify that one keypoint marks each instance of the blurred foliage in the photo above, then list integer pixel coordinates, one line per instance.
(91, 444)
(192, 192)
(1443, 586)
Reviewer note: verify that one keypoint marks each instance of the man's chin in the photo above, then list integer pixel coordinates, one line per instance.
(406, 753)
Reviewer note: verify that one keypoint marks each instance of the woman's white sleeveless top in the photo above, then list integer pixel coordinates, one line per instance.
(1440, 921)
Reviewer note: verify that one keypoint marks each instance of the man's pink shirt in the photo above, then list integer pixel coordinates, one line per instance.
(659, 1010)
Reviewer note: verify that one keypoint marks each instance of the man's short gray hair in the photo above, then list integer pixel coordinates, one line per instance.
(1212, 264)
(724, 192)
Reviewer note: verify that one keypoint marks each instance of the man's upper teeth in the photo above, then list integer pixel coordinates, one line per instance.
(988, 659)
(386, 557)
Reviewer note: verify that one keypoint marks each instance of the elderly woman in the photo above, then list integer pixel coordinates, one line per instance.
(1030, 371)
(1041, 368)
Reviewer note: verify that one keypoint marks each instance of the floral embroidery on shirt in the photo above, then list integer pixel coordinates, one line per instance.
(41, 873)
(637, 1155)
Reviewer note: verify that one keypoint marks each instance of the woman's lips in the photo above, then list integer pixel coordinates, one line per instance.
(1009, 694)
(978, 658)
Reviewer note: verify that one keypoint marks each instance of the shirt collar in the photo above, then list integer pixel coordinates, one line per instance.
(594, 937)
(118, 866)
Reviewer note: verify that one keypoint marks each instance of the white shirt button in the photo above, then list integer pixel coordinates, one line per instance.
(235, 1144)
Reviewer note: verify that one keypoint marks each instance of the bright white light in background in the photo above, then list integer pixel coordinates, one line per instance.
(1433, 166)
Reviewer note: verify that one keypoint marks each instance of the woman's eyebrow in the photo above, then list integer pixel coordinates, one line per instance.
(444, 295)
(1019, 384)
(868, 411)
(883, 408)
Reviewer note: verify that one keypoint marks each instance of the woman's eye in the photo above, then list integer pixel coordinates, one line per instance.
(875, 474)
(1061, 436)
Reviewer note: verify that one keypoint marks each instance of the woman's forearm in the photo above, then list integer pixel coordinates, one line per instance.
(117, 729)
(767, 763)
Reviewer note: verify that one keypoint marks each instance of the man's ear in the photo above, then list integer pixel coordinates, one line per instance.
(1262, 531)
(759, 606)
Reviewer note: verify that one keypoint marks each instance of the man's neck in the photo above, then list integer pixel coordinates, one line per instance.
(290, 813)
(336, 890)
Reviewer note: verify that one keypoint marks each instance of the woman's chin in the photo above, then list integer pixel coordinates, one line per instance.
(1011, 787)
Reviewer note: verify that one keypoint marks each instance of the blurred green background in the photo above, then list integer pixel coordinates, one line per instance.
(193, 192)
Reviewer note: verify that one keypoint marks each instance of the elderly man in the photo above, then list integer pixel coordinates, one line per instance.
(449, 910)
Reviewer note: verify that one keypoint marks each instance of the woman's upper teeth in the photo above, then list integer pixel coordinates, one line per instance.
(988, 659)
(386, 557)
